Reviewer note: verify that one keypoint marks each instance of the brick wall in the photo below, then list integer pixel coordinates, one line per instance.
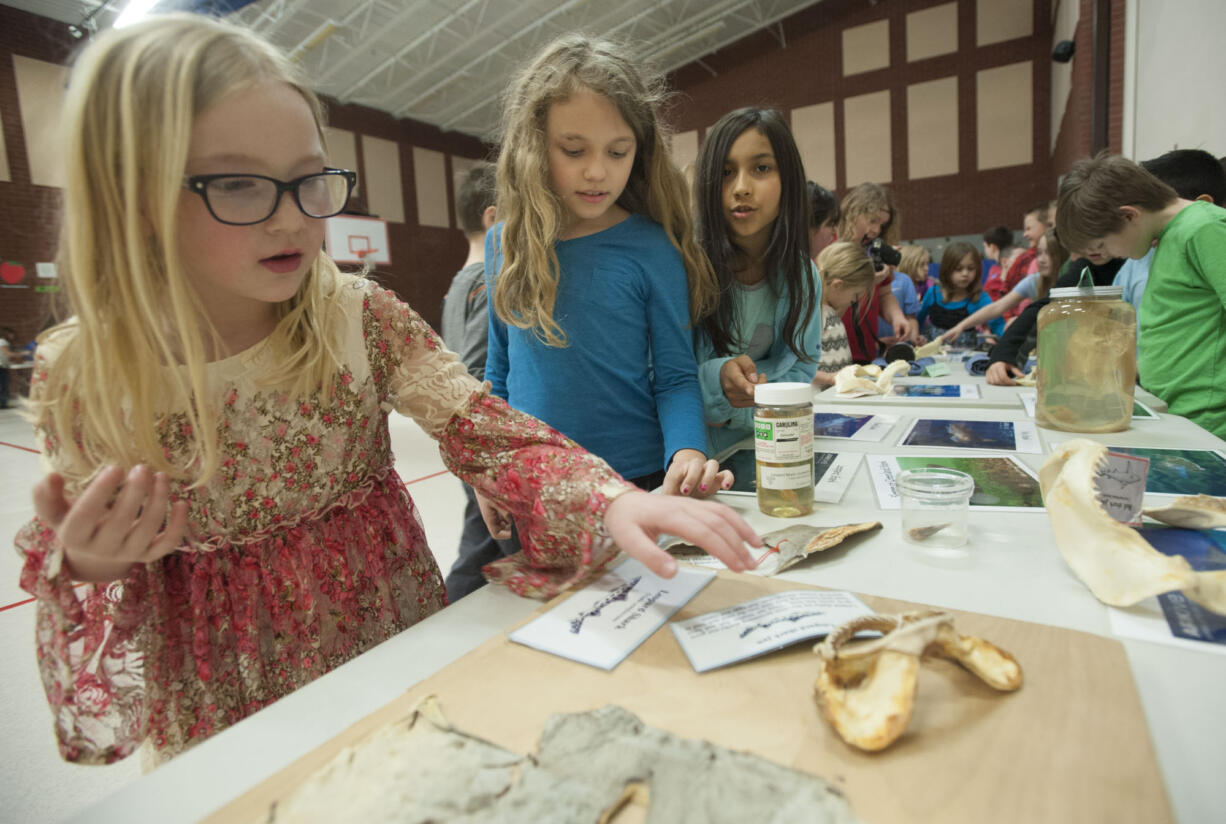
(29, 214)
(423, 258)
(756, 71)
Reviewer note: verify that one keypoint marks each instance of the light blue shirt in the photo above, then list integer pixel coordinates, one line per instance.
(780, 364)
(904, 292)
(1133, 276)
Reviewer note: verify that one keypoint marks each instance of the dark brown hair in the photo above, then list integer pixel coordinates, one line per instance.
(954, 253)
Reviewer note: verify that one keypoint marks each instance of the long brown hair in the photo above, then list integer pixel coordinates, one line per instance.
(954, 253)
(527, 285)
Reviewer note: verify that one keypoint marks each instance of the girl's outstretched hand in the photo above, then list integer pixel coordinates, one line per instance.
(737, 377)
(635, 519)
(953, 334)
(1002, 373)
(104, 533)
(690, 473)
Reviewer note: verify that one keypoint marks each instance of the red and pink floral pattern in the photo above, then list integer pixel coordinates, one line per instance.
(305, 549)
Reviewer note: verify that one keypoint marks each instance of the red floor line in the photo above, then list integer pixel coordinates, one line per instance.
(428, 477)
(15, 446)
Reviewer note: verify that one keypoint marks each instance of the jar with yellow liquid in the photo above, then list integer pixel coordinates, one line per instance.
(1087, 360)
(783, 448)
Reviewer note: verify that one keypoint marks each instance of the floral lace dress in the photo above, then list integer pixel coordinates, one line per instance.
(305, 550)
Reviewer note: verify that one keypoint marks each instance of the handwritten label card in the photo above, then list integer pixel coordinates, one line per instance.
(763, 625)
(1121, 486)
(606, 620)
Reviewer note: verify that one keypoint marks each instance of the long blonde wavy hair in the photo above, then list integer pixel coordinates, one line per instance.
(134, 353)
(527, 285)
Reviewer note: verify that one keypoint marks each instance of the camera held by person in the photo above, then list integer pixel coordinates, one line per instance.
(883, 254)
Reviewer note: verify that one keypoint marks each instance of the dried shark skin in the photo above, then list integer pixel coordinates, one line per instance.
(588, 767)
(867, 691)
(867, 380)
(1113, 560)
(785, 547)
(1192, 512)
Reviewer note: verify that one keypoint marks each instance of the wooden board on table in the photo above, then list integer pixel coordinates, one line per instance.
(1071, 745)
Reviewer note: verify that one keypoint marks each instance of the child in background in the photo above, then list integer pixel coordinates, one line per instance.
(1050, 256)
(914, 264)
(1111, 207)
(1034, 224)
(823, 218)
(753, 222)
(958, 293)
(997, 246)
(595, 276)
(847, 276)
(215, 414)
(465, 331)
(868, 213)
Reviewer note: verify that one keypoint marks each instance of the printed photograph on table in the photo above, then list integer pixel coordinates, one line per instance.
(1205, 551)
(1012, 436)
(1181, 471)
(1001, 483)
(852, 427)
(832, 473)
(935, 390)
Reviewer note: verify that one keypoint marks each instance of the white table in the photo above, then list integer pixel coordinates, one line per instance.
(1016, 573)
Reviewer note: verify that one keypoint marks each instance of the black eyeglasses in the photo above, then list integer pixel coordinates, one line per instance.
(241, 200)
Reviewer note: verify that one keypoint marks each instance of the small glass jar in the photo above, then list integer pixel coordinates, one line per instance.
(934, 504)
(1087, 360)
(783, 448)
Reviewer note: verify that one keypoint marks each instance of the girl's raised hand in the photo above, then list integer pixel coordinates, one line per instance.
(116, 522)
(635, 519)
(1002, 373)
(737, 377)
(690, 473)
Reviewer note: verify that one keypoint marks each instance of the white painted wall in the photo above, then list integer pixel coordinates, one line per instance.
(1173, 95)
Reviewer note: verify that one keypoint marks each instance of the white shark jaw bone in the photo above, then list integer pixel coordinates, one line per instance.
(1112, 559)
(867, 691)
(1192, 512)
(868, 380)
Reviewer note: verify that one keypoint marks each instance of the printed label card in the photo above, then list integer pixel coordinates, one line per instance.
(609, 618)
(744, 631)
(1121, 487)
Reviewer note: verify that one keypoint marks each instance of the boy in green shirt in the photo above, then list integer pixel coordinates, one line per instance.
(1111, 207)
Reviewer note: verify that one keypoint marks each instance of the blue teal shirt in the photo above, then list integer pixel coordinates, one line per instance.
(625, 385)
(961, 308)
(780, 364)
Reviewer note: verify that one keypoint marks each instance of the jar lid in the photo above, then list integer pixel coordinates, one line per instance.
(782, 394)
(936, 484)
(1078, 292)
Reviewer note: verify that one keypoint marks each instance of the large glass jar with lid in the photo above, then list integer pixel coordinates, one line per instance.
(1087, 342)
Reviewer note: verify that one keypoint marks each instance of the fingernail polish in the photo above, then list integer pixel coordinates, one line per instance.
(685, 490)
(703, 487)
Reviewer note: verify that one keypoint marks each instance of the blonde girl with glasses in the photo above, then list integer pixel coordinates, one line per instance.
(214, 415)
